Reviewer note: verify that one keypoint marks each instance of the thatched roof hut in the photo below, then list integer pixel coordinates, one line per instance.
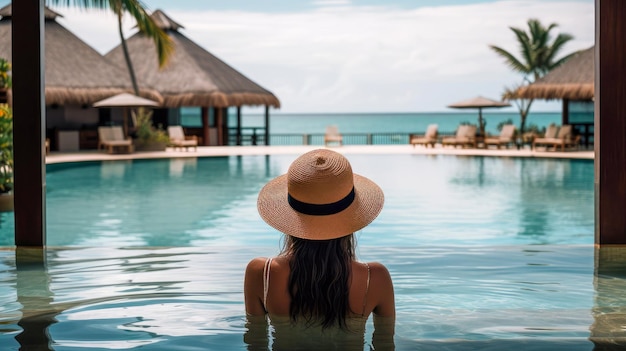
(193, 76)
(75, 73)
(574, 80)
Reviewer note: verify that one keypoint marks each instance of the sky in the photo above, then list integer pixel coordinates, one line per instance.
(359, 55)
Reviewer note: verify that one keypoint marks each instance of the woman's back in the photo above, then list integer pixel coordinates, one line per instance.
(315, 285)
(370, 289)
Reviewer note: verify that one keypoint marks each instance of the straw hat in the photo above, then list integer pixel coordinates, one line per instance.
(320, 198)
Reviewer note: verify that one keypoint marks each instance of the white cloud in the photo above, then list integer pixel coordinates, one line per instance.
(351, 58)
(331, 2)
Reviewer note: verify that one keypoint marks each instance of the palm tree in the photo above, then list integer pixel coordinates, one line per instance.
(538, 57)
(145, 23)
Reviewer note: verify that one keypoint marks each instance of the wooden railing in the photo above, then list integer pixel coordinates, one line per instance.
(256, 136)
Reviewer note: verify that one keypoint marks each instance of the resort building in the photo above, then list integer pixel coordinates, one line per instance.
(573, 83)
(199, 82)
(76, 76)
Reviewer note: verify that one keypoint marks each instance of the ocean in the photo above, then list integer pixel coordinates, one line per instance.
(315, 123)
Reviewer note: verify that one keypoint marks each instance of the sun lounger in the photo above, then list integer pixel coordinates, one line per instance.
(332, 136)
(465, 136)
(178, 139)
(563, 138)
(429, 138)
(112, 138)
(506, 138)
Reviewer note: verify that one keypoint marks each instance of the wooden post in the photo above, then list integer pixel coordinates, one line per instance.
(29, 123)
(32, 285)
(565, 116)
(220, 125)
(267, 125)
(610, 123)
(205, 126)
(238, 125)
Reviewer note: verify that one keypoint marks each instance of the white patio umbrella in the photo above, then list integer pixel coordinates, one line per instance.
(126, 101)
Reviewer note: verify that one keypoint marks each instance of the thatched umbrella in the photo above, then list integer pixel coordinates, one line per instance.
(193, 76)
(479, 102)
(75, 73)
(573, 80)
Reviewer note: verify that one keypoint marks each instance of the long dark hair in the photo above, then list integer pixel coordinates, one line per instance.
(319, 279)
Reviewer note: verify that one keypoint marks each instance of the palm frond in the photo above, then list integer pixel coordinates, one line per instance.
(526, 47)
(562, 60)
(146, 25)
(83, 4)
(537, 53)
(510, 60)
(553, 50)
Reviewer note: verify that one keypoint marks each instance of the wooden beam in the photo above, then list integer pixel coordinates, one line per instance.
(29, 123)
(610, 123)
(238, 125)
(267, 125)
(220, 125)
(205, 126)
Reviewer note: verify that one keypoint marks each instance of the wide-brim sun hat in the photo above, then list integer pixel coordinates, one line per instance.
(320, 198)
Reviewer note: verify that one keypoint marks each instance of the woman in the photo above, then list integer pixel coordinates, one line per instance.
(316, 284)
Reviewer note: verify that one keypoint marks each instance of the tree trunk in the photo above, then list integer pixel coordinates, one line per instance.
(523, 113)
(129, 63)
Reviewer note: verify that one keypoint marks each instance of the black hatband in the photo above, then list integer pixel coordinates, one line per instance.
(321, 210)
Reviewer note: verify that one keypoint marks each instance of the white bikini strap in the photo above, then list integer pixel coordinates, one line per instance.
(266, 281)
(367, 287)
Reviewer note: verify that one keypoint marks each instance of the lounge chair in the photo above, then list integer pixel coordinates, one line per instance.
(429, 138)
(563, 138)
(110, 138)
(178, 139)
(332, 135)
(465, 136)
(550, 134)
(506, 138)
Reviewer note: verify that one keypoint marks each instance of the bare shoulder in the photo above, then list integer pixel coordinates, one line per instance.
(253, 287)
(381, 289)
(256, 265)
(379, 272)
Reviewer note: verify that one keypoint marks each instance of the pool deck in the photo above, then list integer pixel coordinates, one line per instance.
(216, 151)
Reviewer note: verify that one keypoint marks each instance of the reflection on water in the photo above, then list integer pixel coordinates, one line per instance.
(114, 169)
(435, 200)
(482, 200)
(608, 330)
(280, 334)
(452, 298)
(179, 165)
(485, 253)
(33, 293)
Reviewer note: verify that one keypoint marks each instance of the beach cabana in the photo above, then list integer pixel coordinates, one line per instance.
(573, 83)
(194, 77)
(76, 76)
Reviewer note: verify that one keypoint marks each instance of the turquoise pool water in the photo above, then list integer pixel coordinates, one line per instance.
(190, 298)
(430, 200)
(485, 253)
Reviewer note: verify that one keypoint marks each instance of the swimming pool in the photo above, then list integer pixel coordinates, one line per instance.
(452, 298)
(485, 253)
(430, 200)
